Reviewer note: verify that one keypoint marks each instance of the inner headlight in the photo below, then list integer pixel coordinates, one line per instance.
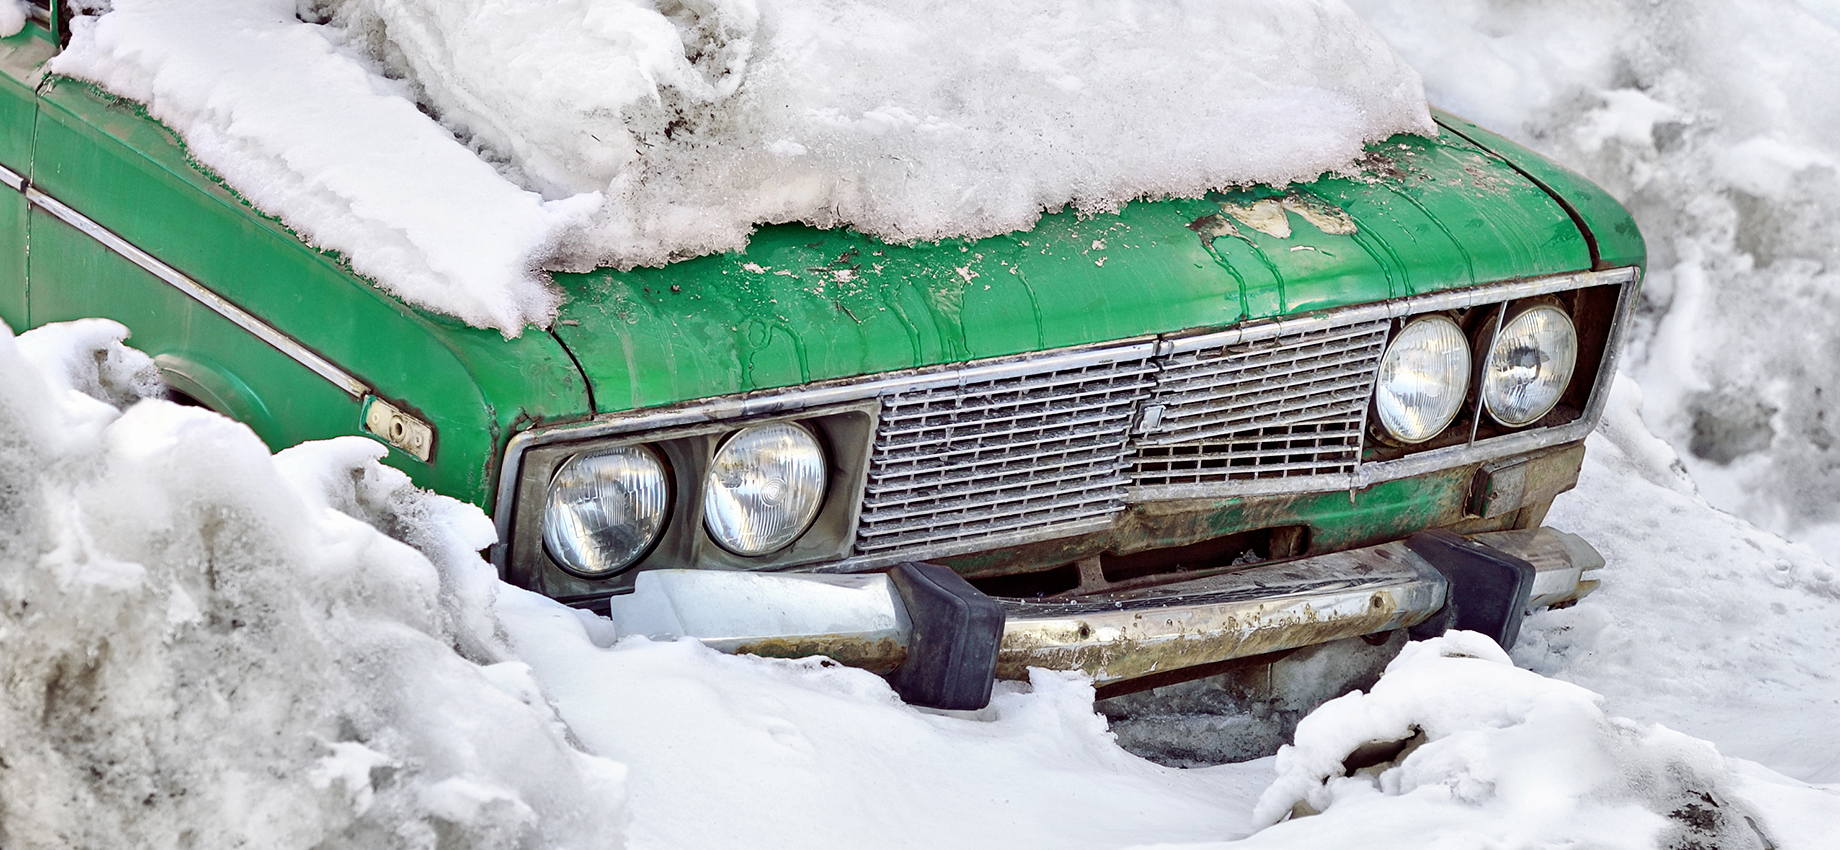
(1423, 379)
(1530, 365)
(605, 510)
(764, 489)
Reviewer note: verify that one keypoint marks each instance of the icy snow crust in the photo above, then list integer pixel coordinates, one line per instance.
(625, 132)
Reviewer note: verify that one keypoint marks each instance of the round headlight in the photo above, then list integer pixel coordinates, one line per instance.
(1530, 365)
(605, 510)
(1423, 379)
(765, 487)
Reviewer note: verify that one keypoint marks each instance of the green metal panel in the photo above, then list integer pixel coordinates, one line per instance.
(801, 304)
(1618, 242)
(106, 158)
(21, 55)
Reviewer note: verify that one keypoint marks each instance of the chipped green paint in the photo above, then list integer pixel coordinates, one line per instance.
(1423, 214)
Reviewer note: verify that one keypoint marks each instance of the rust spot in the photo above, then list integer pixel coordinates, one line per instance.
(1213, 226)
(880, 656)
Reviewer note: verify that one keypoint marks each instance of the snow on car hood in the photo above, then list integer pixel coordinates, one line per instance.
(453, 150)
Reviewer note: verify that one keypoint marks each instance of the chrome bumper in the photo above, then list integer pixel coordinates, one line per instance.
(860, 619)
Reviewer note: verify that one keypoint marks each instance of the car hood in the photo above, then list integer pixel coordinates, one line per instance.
(800, 304)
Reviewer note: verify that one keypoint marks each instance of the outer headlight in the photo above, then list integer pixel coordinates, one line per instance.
(765, 487)
(1423, 379)
(1530, 365)
(605, 510)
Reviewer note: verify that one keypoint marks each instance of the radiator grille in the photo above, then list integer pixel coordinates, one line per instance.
(956, 467)
(1284, 408)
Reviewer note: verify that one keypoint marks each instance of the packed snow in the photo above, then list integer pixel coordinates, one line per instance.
(453, 150)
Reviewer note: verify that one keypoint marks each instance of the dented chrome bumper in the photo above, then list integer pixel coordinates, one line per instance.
(861, 620)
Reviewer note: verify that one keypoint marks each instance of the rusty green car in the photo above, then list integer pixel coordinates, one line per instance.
(1154, 446)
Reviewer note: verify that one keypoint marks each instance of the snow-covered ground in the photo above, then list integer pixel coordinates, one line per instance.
(202, 644)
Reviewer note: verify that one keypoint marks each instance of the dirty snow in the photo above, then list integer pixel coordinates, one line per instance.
(452, 149)
(203, 645)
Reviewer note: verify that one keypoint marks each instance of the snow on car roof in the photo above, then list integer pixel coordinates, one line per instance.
(454, 151)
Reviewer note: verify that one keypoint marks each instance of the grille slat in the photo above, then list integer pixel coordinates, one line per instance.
(961, 473)
(1291, 406)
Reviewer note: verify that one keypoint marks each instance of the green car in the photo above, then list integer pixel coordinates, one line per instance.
(1154, 446)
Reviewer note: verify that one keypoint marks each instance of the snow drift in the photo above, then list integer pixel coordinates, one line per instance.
(1497, 756)
(627, 132)
(202, 644)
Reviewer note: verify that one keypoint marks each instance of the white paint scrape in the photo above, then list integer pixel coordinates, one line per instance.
(452, 150)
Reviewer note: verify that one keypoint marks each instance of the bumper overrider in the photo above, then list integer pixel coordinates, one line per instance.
(942, 642)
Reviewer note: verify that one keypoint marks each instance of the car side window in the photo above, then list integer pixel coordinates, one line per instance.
(39, 10)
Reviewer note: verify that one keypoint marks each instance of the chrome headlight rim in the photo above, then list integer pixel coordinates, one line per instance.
(1458, 392)
(1486, 386)
(804, 518)
(659, 467)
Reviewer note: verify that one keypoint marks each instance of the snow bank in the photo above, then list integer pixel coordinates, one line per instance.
(625, 132)
(1705, 622)
(1491, 755)
(1718, 123)
(206, 645)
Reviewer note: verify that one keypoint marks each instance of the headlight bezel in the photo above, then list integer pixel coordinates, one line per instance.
(845, 432)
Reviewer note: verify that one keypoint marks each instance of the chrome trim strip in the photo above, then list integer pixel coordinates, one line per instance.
(771, 402)
(1402, 307)
(12, 179)
(218, 304)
